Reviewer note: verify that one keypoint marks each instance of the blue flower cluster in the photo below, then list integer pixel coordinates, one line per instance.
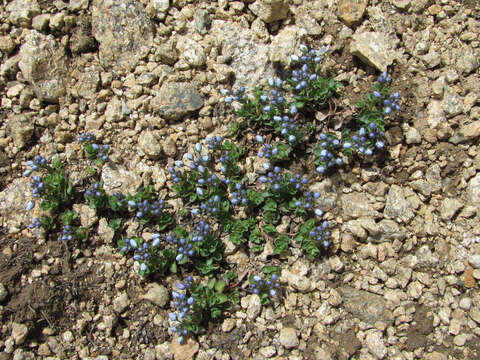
(95, 191)
(212, 205)
(35, 224)
(142, 250)
(389, 101)
(37, 185)
(184, 247)
(307, 71)
(93, 149)
(367, 138)
(239, 196)
(261, 286)
(288, 126)
(67, 233)
(86, 137)
(37, 163)
(214, 142)
(183, 305)
(274, 178)
(268, 151)
(328, 152)
(321, 234)
(146, 208)
(307, 202)
(235, 96)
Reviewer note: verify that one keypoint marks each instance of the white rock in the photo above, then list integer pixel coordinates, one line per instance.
(376, 345)
(288, 338)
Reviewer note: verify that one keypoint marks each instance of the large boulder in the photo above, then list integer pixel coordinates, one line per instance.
(124, 32)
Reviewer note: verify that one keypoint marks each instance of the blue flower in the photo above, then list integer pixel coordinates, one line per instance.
(30, 205)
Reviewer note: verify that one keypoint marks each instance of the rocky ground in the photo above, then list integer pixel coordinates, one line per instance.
(145, 76)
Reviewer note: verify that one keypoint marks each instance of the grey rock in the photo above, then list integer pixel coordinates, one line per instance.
(161, 6)
(425, 257)
(12, 204)
(288, 338)
(147, 79)
(88, 84)
(328, 194)
(439, 86)
(296, 281)
(452, 103)
(431, 59)
(149, 145)
(117, 178)
(364, 305)
(396, 206)
(389, 231)
(82, 40)
(156, 294)
(7, 45)
(3, 292)
(40, 22)
(286, 43)
(435, 114)
(375, 344)
(228, 325)
(9, 67)
(465, 303)
(88, 216)
(175, 100)
(19, 333)
(249, 55)
(466, 132)
(450, 207)
(357, 205)
(267, 351)
(202, 21)
(434, 178)
(167, 53)
(252, 304)
(120, 303)
(473, 190)
(191, 52)
(105, 231)
(23, 11)
(169, 147)
(412, 135)
(76, 5)
(467, 61)
(124, 32)
(20, 127)
(114, 112)
(475, 314)
(422, 186)
(305, 21)
(436, 356)
(270, 10)
(474, 261)
(401, 4)
(351, 11)
(44, 65)
(373, 49)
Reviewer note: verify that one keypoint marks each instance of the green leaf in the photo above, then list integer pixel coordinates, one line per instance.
(269, 269)
(255, 197)
(115, 223)
(281, 244)
(219, 286)
(269, 229)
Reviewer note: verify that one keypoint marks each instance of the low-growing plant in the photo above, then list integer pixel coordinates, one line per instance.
(222, 201)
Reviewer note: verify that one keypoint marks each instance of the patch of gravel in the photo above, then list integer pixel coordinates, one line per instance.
(403, 282)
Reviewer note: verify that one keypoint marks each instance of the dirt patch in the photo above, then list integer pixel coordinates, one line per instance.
(421, 327)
